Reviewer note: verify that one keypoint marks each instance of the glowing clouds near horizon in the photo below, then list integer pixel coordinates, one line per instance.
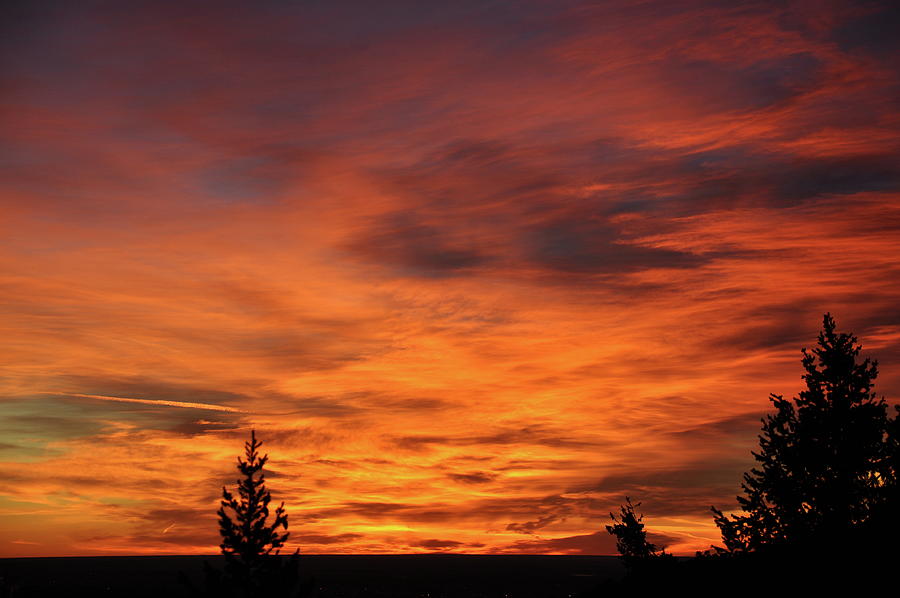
(467, 305)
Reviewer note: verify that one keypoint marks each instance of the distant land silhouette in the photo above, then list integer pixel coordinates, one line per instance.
(336, 576)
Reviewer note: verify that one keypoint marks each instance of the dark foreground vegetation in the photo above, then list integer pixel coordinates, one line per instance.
(819, 512)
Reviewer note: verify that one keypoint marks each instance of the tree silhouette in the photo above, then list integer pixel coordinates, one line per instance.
(248, 537)
(826, 466)
(250, 543)
(631, 538)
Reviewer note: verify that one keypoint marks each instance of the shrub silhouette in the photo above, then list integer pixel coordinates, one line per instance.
(827, 468)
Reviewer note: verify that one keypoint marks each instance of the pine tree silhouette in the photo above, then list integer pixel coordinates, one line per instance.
(250, 543)
(248, 537)
(635, 550)
(631, 538)
(825, 461)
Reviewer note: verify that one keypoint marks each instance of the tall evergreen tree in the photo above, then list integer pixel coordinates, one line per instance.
(824, 463)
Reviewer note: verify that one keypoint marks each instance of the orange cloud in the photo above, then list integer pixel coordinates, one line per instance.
(473, 273)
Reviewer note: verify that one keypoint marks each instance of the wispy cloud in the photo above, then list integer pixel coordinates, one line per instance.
(473, 271)
(160, 402)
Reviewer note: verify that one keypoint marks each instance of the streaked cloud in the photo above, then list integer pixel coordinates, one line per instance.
(184, 405)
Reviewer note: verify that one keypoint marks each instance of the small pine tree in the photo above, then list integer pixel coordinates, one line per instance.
(249, 542)
(631, 537)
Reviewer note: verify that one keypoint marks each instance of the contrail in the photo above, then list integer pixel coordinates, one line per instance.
(183, 404)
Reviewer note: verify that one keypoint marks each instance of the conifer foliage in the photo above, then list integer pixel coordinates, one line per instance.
(248, 536)
(250, 541)
(825, 461)
(631, 537)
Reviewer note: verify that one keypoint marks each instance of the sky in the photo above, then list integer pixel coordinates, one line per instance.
(473, 271)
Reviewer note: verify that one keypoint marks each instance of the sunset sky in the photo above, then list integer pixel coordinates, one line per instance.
(474, 271)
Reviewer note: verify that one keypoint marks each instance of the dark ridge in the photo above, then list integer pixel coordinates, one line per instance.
(397, 576)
